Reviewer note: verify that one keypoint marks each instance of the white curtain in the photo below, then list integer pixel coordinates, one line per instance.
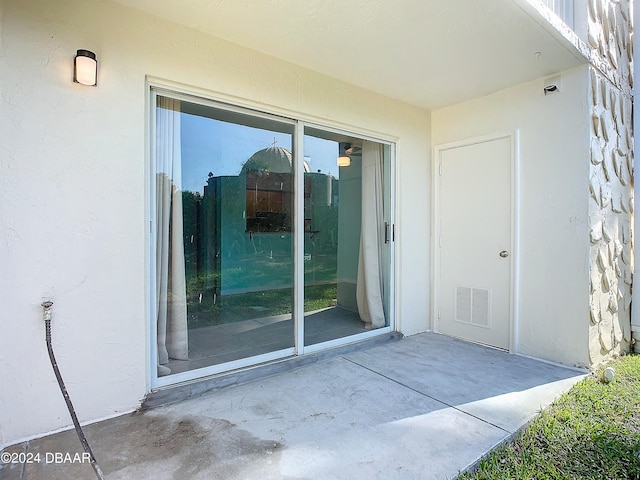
(170, 271)
(370, 281)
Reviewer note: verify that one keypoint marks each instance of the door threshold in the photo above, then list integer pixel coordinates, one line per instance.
(194, 388)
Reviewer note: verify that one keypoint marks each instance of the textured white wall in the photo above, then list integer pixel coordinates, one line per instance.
(610, 219)
(554, 247)
(73, 223)
(611, 178)
(589, 137)
(635, 311)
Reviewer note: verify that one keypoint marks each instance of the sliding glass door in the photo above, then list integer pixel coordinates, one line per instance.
(346, 236)
(225, 212)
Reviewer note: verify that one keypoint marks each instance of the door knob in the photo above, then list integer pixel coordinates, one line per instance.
(504, 254)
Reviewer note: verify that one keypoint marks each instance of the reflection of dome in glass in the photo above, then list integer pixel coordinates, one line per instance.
(272, 159)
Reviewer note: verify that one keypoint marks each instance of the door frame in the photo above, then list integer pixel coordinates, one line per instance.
(515, 228)
(155, 86)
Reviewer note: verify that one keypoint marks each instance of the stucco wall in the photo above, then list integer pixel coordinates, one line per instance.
(635, 311)
(611, 178)
(73, 175)
(553, 251)
(610, 219)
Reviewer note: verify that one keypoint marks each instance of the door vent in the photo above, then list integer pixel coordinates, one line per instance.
(463, 304)
(472, 305)
(480, 303)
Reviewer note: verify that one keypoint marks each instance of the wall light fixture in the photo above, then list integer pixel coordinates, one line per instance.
(85, 68)
(344, 160)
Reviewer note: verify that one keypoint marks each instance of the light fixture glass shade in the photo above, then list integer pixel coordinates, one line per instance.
(85, 68)
(344, 161)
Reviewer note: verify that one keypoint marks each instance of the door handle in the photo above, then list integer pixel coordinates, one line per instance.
(504, 254)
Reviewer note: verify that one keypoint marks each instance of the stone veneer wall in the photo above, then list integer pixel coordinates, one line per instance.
(611, 177)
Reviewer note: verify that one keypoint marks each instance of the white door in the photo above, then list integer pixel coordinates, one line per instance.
(475, 241)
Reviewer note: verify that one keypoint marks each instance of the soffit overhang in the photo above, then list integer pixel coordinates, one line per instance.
(425, 53)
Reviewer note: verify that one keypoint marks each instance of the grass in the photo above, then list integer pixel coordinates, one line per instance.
(591, 432)
(243, 306)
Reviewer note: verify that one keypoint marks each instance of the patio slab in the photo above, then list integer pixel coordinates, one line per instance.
(424, 407)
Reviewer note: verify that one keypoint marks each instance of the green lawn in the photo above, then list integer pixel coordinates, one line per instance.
(267, 303)
(591, 432)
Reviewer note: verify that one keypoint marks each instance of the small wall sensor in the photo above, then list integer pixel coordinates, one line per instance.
(551, 85)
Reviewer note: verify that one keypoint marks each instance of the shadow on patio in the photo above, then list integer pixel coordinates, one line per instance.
(424, 407)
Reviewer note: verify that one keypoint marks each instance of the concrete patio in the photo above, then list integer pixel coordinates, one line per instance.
(425, 407)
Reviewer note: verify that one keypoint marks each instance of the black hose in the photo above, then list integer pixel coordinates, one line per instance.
(47, 320)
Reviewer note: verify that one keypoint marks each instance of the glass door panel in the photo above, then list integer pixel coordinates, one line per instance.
(346, 252)
(224, 235)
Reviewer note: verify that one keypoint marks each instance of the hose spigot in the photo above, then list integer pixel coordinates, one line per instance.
(47, 309)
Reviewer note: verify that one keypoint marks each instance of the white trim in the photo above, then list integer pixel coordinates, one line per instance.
(199, 373)
(338, 342)
(350, 133)
(152, 324)
(222, 105)
(298, 242)
(394, 232)
(515, 241)
(222, 100)
(436, 164)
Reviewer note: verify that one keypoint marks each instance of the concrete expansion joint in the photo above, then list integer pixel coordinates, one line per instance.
(458, 409)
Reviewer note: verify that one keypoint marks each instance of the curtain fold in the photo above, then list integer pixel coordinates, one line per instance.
(370, 280)
(171, 294)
